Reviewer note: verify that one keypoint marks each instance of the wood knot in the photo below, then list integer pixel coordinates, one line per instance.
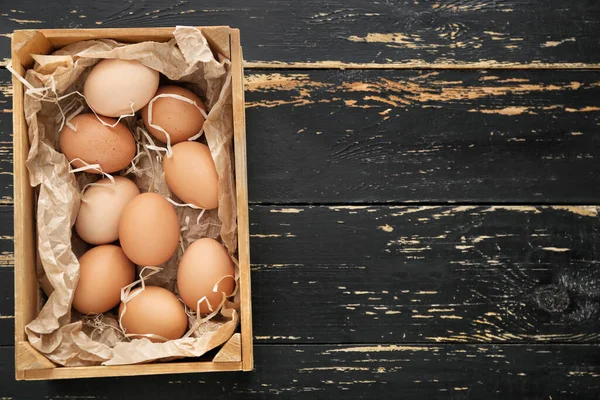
(551, 298)
(581, 281)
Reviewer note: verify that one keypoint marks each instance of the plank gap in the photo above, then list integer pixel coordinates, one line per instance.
(274, 65)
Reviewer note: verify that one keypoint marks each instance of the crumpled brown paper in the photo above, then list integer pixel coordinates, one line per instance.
(62, 334)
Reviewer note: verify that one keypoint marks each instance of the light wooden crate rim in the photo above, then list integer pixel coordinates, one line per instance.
(236, 354)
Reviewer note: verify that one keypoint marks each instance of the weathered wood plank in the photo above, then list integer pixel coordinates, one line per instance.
(346, 274)
(411, 136)
(427, 274)
(6, 138)
(357, 372)
(423, 136)
(7, 307)
(400, 31)
(7, 293)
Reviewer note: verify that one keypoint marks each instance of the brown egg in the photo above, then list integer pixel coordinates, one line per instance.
(149, 229)
(191, 174)
(94, 143)
(114, 86)
(101, 210)
(181, 120)
(154, 311)
(203, 264)
(104, 270)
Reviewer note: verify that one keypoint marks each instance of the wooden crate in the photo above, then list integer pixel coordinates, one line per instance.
(236, 354)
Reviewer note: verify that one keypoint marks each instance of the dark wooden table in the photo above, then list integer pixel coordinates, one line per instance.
(424, 180)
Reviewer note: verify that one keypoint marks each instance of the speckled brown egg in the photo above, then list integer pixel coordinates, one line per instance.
(154, 311)
(104, 270)
(149, 229)
(205, 264)
(180, 119)
(190, 173)
(95, 143)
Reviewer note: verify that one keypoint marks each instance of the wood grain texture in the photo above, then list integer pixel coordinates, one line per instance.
(216, 36)
(28, 358)
(423, 136)
(426, 274)
(411, 136)
(231, 350)
(6, 138)
(151, 369)
(399, 31)
(241, 186)
(461, 301)
(363, 371)
(351, 274)
(7, 310)
(7, 293)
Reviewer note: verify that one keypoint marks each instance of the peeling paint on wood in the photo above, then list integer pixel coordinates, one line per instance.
(25, 21)
(468, 274)
(558, 42)
(407, 280)
(386, 228)
(586, 211)
(384, 128)
(378, 349)
(287, 210)
(411, 32)
(486, 371)
(556, 249)
(584, 109)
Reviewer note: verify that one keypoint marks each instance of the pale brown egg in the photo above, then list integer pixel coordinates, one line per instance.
(114, 86)
(154, 311)
(95, 143)
(104, 270)
(205, 264)
(191, 174)
(101, 209)
(149, 229)
(180, 119)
